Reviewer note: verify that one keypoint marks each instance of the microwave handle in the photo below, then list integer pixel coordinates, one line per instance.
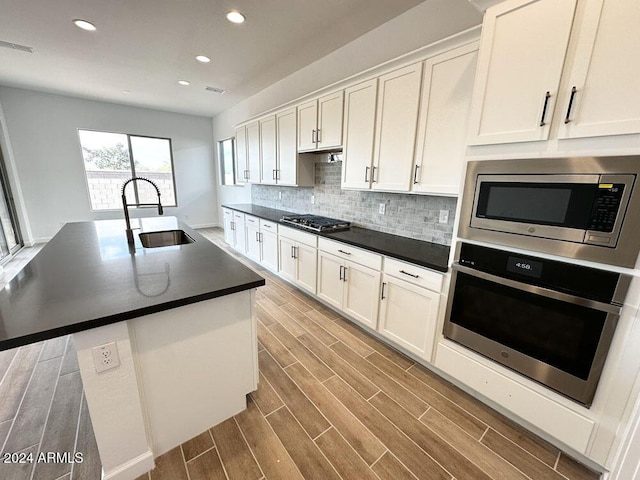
(545, 292)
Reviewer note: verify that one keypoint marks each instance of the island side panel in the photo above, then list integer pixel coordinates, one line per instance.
(114, 404)
(196, 364)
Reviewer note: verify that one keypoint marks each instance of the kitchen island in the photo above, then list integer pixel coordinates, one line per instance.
(180, 318)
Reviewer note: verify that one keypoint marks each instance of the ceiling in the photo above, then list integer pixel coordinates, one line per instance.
(145, 46)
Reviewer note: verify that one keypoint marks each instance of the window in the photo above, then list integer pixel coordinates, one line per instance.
(110, 159)
(227, 161)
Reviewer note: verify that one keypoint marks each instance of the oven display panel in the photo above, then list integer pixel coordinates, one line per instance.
(524, 266)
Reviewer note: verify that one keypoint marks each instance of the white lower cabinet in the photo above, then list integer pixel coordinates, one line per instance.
(349, 286)
(252, 228)
(262, 241)
(408, 315)
(297, 259)
(234, 229)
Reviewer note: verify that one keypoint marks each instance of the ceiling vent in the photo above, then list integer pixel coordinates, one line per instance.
(215, 90)
(16, 46)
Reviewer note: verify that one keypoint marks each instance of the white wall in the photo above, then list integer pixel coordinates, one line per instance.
(42, 129)
(425, 24)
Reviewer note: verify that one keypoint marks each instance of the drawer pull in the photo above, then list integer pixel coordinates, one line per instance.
(346, 253)
(410, 274)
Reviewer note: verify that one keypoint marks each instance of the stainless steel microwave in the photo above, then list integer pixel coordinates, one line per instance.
(583, 208)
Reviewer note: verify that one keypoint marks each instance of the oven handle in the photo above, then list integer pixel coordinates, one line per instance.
(545, 292)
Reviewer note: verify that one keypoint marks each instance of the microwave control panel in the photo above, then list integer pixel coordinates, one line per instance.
(606, 207)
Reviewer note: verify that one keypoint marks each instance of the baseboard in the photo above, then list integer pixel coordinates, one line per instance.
(132, 469)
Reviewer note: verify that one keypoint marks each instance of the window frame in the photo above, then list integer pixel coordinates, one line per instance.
(221, 162)
(133, 168)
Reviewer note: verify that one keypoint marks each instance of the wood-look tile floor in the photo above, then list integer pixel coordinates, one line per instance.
(42, 406)
(335, 403)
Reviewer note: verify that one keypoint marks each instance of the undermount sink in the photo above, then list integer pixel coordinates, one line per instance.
(165, 238)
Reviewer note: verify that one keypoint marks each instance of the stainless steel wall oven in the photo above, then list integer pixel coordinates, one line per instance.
(551, 321)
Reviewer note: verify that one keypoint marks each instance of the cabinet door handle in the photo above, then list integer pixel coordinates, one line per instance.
(415, 174)
(318, 136)
(573, 94)
(346, 253)
(340, 274)
(293, 254)
(233, 225)
(277, 174)
(313, 136)
(410, 274)
(273, 174)
(373, 174)
(344, 274)
(366, 174)
(384, 284)
(260, 236)
(547, 96)
(257, 237)
(246, 174)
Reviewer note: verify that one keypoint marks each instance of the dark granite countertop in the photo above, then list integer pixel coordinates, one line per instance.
(426, 254)
(87, 276)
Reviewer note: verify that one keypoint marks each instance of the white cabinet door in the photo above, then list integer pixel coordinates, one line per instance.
(227, 218)
(605, 72)
(442, 129)
(239, 231)
(306, 259)
(287, 264)
(362, 286)
(329, 130)
(408, 315)
(253, 241)
(396, 124)
(522, 53)
(269, 253)
(287, 147)
(359, 129)
(330, 283)
(268, 167)
(307, 125)
(241, 167)
(253, 152)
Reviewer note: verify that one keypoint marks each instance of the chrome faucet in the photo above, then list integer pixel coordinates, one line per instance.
(125, 205)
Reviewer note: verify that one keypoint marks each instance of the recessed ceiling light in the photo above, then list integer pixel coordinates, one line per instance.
(203, 59)
(235, 17)
(183, 82)
(83, 24)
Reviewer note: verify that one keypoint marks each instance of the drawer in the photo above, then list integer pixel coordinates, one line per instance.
(353, 254)
(227, 213)
(292, 234)
(269, 226)
(252, 220)
(423, 277)
(238, 216)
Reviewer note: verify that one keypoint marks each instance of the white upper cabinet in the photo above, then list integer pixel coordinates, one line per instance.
(253, 152)
(605, 72)
(269, 167)
(358, 134)
(241, 165)
(287, 151)
(522, 54)
(442, 128)
(320, 123)
(396, 124)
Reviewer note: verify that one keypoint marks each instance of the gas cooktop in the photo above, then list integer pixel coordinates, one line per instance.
(316, 222)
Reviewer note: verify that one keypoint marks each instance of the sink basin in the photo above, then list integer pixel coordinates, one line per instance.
(165, 238)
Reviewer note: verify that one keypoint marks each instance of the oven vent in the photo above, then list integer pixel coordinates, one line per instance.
(215, 90)
(16, 46)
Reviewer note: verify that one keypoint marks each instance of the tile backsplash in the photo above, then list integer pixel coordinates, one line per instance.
(414, 216)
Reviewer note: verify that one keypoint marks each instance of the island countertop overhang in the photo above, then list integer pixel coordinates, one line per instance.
(88, 276)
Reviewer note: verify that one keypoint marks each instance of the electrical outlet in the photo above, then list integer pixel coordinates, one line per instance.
(444, 216)
(105, 357)
(279, 195)
(382, 208)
